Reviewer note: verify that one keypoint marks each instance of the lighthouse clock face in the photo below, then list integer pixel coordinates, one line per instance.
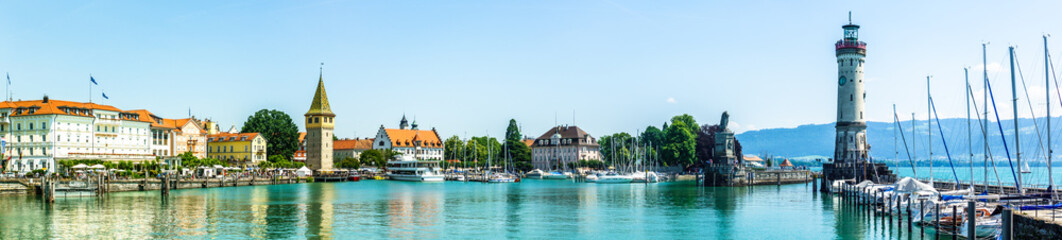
(842, 80)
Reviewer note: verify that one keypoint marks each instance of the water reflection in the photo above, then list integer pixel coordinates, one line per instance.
(385, 209)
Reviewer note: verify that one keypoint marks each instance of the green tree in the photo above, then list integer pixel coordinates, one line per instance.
(690, 123)
(374, 157)
(679, 145)
(512, 133)
(653, 136)
(280, 132)
(452, 148)
(349, 163)
(521, 155)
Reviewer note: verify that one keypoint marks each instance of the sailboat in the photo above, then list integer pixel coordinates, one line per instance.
(1025, 168)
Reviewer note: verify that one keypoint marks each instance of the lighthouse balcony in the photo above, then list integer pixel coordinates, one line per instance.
(843, 44)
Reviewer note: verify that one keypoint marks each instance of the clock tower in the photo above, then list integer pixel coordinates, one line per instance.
(851, 140)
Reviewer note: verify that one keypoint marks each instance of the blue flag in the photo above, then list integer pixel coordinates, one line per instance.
(93, 80)
(105, 96)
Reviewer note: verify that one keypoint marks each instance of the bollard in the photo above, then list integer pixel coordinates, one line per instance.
(1008, 224)
(955, 217)
(921, 214)
(936, 213)
(971, 213)
(910, 224)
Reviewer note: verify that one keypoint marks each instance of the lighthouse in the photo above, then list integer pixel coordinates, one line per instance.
(851, 141)
(851, 154)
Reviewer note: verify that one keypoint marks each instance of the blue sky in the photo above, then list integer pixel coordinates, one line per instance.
(466, 67)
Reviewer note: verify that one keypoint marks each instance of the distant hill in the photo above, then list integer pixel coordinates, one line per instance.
(817, 139)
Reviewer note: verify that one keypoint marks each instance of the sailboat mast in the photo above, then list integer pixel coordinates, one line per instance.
(929, 118)
(1050, 150)
(969, 129)
(984, 127)
(1014, 93)
(914, 145)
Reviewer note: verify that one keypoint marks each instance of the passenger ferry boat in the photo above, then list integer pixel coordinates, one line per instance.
(407, 168)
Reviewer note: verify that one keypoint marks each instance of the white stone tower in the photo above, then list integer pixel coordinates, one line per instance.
(319, 130)
(851, 142)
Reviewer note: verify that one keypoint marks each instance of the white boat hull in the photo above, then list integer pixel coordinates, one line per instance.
(612, 179)
(415, 178)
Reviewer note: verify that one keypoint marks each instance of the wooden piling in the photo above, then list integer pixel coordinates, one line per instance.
(910, 223)
(1008, 224)
(954, 217)
(921, 213)
(971, 214)
(937, 225)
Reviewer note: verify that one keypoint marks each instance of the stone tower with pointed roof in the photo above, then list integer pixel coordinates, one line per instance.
(320, 125)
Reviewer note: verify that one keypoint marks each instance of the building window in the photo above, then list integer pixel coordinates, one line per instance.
(31, 126)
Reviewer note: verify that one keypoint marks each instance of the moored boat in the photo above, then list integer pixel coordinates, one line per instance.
(406, 168)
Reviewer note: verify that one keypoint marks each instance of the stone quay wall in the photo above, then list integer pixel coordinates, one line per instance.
(1028, 227)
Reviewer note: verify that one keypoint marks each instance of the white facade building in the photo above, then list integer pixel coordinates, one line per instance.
(421, 144)
(38, 132)
(562, 145)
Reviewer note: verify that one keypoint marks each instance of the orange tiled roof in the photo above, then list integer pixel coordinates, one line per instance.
(407, 138)
(302, 136)
(145, 114)
(231, 137)
(357, 144)
(60, 107)
(529, 142)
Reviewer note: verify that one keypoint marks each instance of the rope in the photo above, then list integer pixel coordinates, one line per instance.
(946, 151)
(995, 110)
(904, 137)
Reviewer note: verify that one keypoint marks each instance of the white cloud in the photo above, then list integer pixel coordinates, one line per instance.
(671, 100)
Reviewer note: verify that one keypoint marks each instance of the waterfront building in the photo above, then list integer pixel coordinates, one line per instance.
(161, 134)
(351, 148)
(39, 132)
(242, 149)
(421, 144)
(561, 145)
(188, 136)
(320, 125)
(300, 154)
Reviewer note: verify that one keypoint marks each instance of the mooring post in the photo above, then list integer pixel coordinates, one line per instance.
(954, 218)
(971, 213)
(910, 225)
(165, 188)
(921, 214)
(1008, 224)
(936, 214)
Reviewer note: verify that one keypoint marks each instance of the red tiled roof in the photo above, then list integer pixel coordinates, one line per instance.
(358, 144)
(407, 138)
(60, 107)
(231, 137)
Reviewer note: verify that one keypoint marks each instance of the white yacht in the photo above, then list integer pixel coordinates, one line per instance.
(534, 174)
(407, 168)
(556, 175)
(613, 177)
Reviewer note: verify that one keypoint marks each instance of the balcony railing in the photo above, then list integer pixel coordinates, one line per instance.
(850, 44)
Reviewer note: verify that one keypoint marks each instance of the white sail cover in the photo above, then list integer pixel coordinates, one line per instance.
(864, 183)
(911, 185)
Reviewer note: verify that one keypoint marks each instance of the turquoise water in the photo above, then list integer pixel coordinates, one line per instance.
(533, 209)
(1038, 177)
